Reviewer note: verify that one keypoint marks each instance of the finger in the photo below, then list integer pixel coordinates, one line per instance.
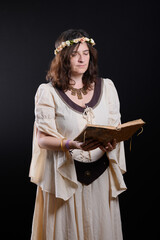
(102, 148)
(114, 143)
(110, 147)
(89, 141)
(77, 145)
(91, 146)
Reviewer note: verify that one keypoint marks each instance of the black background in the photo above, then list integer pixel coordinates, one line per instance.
(127, 39)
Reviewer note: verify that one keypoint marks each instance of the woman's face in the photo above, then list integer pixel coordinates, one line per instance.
(79, 59)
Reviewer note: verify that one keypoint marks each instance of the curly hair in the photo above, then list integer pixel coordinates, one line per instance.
(59, 72)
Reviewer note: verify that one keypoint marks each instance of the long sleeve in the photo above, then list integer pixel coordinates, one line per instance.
(117, 156)
(53, 171)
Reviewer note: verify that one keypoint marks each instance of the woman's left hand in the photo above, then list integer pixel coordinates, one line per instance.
(110, 146)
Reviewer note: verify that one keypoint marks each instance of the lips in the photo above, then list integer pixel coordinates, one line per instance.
(81, 65)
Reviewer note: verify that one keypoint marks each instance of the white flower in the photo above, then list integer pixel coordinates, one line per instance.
(63, 44)
(92, 41)
(86, 39)
(76, 40)
(68, 43)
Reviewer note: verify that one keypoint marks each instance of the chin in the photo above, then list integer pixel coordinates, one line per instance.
(81, 71)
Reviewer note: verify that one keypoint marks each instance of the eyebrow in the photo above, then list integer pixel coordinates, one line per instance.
(87, 50)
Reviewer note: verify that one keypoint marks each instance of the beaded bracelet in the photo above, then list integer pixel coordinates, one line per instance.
(67, 144)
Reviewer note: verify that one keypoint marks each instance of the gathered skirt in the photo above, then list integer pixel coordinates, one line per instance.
(90, 214)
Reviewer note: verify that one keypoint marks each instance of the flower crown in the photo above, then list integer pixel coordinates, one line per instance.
(68, 43)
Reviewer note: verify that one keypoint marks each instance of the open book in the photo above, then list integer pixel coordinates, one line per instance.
(106, 134)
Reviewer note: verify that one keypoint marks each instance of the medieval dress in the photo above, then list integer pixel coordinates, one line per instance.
(66, 209)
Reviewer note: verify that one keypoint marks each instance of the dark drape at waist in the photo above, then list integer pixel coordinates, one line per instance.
(87, 172)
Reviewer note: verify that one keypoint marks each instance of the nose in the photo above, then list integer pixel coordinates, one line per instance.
(81, 59)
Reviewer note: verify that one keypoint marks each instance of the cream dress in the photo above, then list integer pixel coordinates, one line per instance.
(65, 209)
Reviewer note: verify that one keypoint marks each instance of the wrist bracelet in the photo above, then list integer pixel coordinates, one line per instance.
(62, 144)
(67, 144)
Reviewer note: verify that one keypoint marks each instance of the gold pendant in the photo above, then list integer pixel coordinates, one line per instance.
(77, 91)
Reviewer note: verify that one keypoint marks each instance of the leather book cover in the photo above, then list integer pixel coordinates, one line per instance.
(106, 134)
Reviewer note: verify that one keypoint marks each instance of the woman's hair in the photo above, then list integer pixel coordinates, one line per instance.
(60, 70)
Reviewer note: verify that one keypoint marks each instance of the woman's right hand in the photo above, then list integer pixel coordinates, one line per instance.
(91, 144)
(88, 145)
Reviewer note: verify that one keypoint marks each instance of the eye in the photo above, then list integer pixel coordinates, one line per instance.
(86, 52)
(74, 54)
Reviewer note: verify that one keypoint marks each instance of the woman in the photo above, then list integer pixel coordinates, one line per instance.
(78, 183)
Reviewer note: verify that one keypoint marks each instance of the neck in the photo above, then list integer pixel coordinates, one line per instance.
(77, 80)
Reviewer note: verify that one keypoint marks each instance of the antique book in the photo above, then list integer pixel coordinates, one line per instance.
(106, 134)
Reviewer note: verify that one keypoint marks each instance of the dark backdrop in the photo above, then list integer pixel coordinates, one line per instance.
(127, 39)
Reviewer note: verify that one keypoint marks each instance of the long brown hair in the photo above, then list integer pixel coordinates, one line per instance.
(60, 71)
